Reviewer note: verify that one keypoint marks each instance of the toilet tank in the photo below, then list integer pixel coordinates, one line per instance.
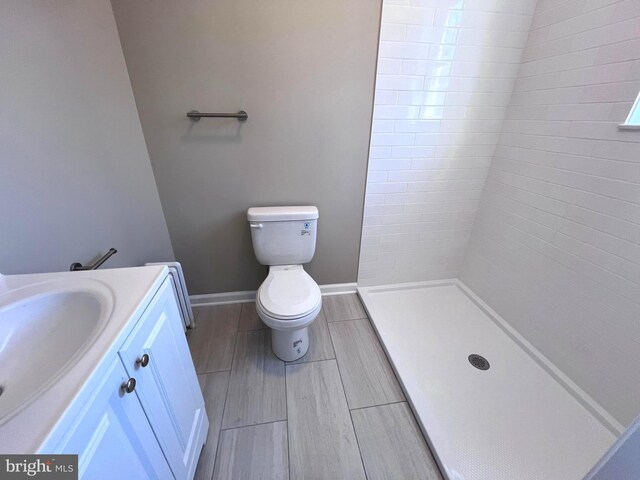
(283, 235)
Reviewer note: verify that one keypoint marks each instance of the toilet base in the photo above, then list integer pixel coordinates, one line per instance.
(290, 345)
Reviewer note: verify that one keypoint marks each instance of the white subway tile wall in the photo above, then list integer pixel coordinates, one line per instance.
(556, 244)
(446, 70)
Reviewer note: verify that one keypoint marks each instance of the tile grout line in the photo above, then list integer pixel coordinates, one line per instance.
(286, 409)
(263, 327)
(307, 363)
(378, 405)
(347, 320)
(215, 460)
(214, 371)
(344, 392)
(218, 439)
(355, 434)
(338, 363)
(252, 425)
(226, 395)
(295, 362)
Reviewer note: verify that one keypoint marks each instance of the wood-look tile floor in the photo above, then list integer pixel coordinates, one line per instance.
(336, 413)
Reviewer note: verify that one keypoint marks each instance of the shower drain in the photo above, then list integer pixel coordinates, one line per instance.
(479, 361)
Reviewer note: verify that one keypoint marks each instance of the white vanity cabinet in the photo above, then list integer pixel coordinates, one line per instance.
(141, 415)
(112, 435)
(157, 356)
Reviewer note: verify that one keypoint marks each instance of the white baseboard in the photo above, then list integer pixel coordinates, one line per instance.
(339, 288)
(208, 299)
(222, 298)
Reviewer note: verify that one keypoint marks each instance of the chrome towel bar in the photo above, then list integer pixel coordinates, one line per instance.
(195, 115)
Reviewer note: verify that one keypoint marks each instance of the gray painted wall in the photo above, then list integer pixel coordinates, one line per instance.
(304, 71)
(75, 174)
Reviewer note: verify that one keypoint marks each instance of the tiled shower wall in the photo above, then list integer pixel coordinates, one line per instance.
(445, 75)
(556, 246)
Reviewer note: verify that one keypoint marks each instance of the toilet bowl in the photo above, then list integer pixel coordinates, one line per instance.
(288, 300)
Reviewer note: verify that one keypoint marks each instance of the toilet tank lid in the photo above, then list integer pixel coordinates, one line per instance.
(281, 214)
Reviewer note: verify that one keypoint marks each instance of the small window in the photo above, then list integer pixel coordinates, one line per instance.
(633, 120)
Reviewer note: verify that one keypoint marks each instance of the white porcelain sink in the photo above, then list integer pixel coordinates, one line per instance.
(44, 329)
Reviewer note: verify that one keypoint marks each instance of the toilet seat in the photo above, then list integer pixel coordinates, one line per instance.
(290, 323)
(288, 293)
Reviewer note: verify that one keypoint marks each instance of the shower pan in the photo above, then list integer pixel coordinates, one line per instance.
(490, 405)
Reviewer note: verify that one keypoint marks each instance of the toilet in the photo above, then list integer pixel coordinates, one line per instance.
(289, 300)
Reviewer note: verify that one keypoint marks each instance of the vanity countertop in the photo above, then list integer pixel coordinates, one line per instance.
(131, 289)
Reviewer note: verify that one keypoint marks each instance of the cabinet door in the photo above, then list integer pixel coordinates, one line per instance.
(112, 435)
(168, 386)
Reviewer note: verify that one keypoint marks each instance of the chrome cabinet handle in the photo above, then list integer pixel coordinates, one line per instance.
(129, 386)
(143, 361)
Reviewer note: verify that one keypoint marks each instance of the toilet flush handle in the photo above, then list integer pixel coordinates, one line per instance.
(255, 225)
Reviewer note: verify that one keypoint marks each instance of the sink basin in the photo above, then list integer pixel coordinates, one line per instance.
(44, 329)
